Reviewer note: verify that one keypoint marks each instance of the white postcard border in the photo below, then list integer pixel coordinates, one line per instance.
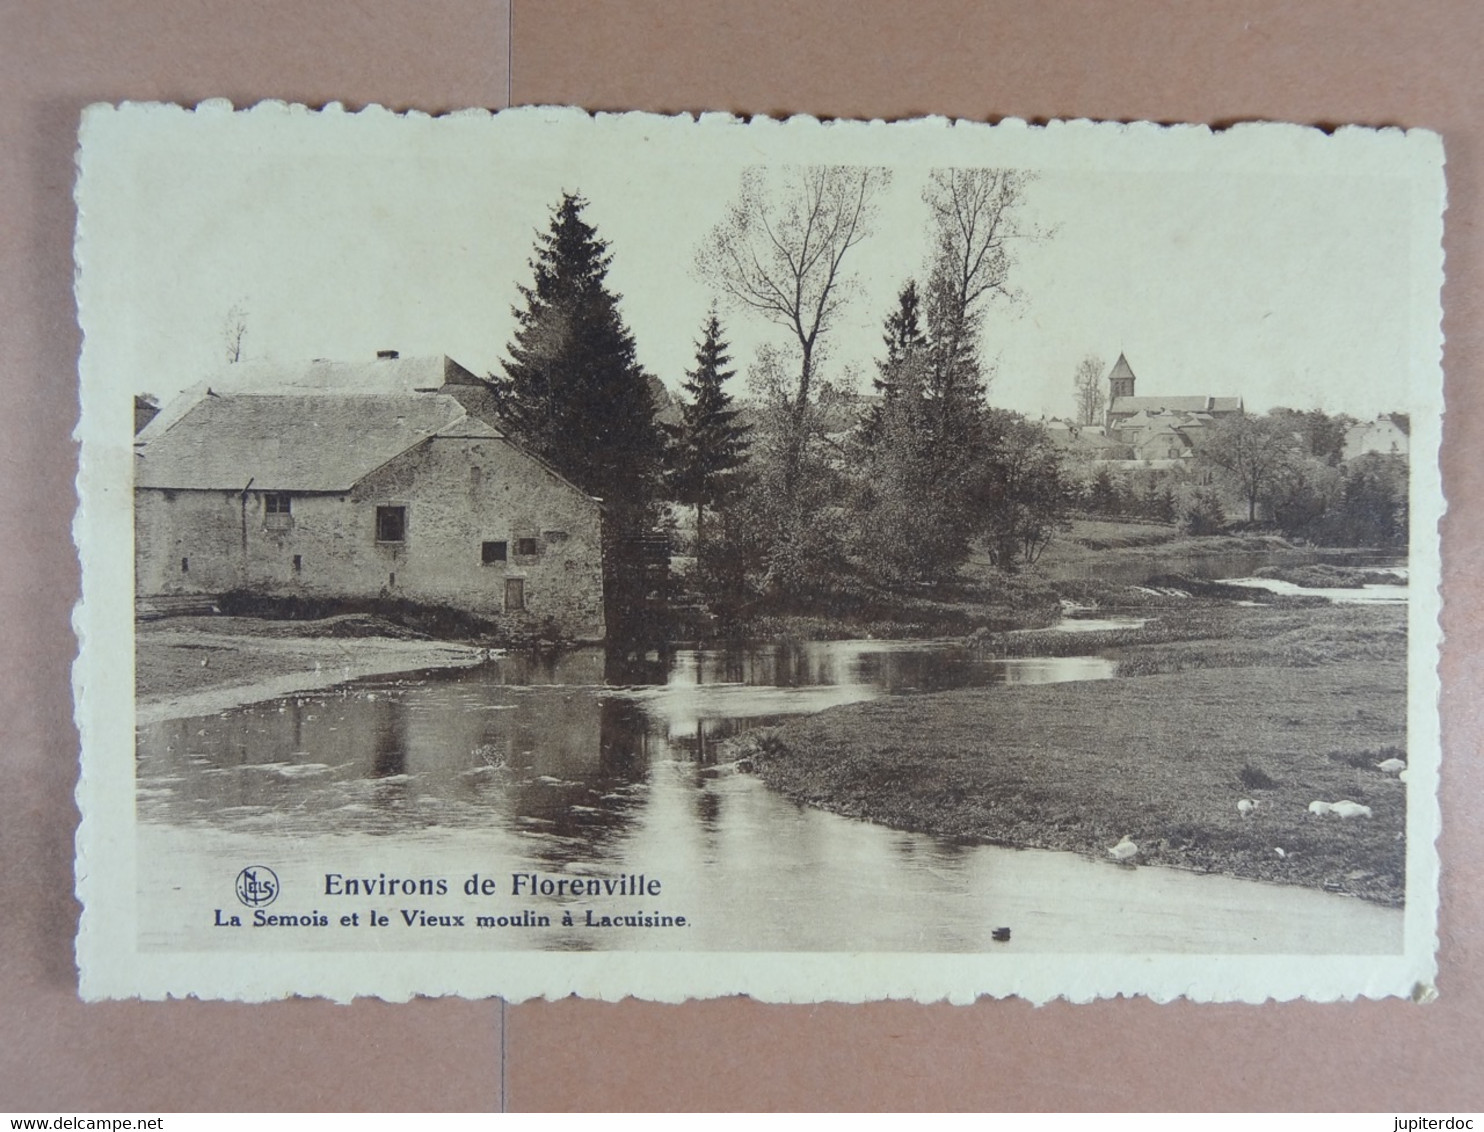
(111, 967)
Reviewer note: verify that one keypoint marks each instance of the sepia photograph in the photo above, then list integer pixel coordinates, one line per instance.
(547, 553)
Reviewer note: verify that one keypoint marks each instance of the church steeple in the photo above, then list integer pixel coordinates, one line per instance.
(1120, 380)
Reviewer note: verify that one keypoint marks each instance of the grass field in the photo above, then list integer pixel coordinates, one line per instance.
(1282, 706)
(991, 604)
(1186, 633)
(1109, 539)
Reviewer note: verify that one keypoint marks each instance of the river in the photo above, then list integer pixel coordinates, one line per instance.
(571, 765)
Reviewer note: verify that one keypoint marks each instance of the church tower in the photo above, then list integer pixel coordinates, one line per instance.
(1120, 380)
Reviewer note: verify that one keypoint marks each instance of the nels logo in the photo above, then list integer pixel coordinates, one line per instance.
(257, 885)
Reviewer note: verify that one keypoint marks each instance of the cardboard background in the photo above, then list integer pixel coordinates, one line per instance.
(1323, 61)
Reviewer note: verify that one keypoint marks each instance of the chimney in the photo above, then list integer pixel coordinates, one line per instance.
(387, 355)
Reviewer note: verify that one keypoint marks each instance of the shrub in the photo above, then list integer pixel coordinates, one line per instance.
(1255, 778)
(1205, 515)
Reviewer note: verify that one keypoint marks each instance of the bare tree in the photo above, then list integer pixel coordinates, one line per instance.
(975, 227)
(1252, 453)
(781, 249)
(1088, 384)
(234, 329)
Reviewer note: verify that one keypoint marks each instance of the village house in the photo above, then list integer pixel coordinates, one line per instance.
(1160, 428)
(1167, 439)
(1086, 442)
(390, 480)
(1389, 434)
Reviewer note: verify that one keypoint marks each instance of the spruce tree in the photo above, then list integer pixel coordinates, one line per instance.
(574, 393)
(955, 378)
(903, 337)
(909, 522)
(709, 444)
(904, 342)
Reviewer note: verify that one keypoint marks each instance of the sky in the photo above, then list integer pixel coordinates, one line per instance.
(1283, 270)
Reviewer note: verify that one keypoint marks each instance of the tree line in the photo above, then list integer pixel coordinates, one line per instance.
(1289, 466)
(796, 495)
(1284, 470)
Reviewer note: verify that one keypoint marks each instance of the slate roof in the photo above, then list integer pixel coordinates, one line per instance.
(1165, 436)
(383, 376)
(310, 442)
(1175, 404)
(1142, 419)
(371, 375)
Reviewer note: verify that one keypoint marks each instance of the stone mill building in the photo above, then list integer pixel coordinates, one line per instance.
(391, 479)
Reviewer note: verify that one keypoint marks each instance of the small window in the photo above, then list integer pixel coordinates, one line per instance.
(277, 511)
(525, 547)
(391, 524)
(298, 563)
(515, 595)
(185, 565)
(492, 552)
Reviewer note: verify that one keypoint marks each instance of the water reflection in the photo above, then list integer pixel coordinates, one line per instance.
(536, 741)
(580, 762)
(1358, 595)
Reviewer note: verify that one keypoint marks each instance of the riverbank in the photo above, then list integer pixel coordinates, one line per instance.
(1110, 542)
(1281, 704)
(989, 603)
(185, 666)
(1098, 562)
(1201, 630)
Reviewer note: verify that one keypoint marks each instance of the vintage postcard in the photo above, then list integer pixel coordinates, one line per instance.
(545, 553)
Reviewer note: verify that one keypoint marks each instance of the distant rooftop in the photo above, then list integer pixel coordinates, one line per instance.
(1176, 404)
